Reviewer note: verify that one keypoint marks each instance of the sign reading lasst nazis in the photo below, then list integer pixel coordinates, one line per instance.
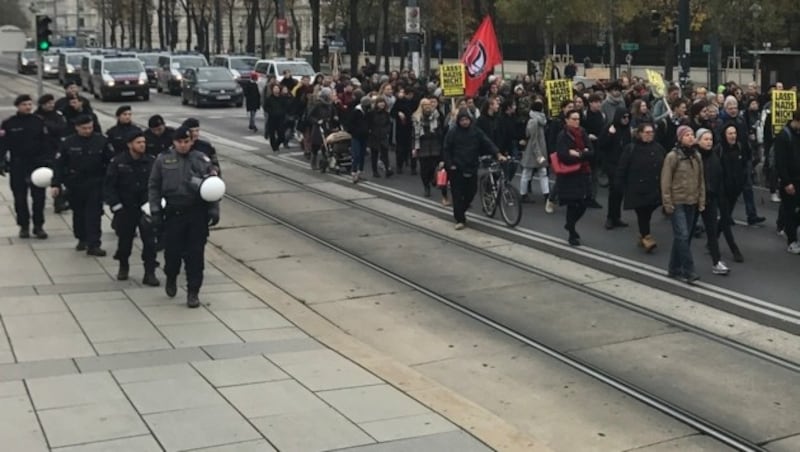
(784, 103)
(557, 92)
(452, 79)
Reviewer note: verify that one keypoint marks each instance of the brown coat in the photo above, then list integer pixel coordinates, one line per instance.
(682, 180)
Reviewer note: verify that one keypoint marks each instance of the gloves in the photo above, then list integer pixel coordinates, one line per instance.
(213, 215)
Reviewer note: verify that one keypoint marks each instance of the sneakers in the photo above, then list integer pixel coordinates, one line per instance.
(459, 226)
(775, 197)
(192, 300)
(549, 206)
(39, 233)
(794, 248)
(171, 287)
(446, 202)
(24, 233)
(689, 279)
(720, 269)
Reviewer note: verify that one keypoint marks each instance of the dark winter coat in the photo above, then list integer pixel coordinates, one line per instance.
(574, 186)
(380, 127)
(639, 174)
(611, 145)
(712, 172)
(734, 168)
(252, 98)
(463, 147)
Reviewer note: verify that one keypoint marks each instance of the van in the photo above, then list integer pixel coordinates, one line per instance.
(276, 68)
(119, 77)
(69, 67)
(171, 67)
(86, 72)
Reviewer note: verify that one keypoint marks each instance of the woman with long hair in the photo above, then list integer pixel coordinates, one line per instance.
(276, 107)
(428, 140)
(575, 188)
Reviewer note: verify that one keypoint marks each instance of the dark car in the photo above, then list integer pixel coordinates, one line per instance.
(241, 66)
(120, 77)
(69, 67)
(171, 67)
(26, 61)
(150, 61)
(210, 85)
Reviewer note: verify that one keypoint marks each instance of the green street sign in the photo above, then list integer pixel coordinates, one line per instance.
(706, 48)
(630, 46)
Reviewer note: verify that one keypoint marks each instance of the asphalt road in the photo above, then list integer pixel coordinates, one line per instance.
(766, 274)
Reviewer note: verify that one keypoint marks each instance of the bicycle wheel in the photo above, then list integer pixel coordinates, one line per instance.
(486, 192)
(510, 205)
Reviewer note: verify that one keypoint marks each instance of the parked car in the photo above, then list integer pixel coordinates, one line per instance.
(119, 77)
(69, 67)
(26, 61)
(210, 85)
(150, 61)
(171, 67)
(241, 66)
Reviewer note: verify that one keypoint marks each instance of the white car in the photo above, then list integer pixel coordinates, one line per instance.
(276, 67)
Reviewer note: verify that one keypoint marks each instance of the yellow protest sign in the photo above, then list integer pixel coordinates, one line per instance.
(784, 103)
(452, 79)
(557, 91)
(656, 83)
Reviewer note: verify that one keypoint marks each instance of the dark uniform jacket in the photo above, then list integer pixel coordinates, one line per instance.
(463, 147)
(82, 161)
(125, 185)
(118, 136)
(62, 104)
(57, 128)
(156, 144)
(71, 115)
(176, 177)
(208, 149)
(26, 137)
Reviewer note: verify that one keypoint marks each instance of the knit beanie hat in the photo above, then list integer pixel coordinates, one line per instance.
(700, 132)
(683, 130)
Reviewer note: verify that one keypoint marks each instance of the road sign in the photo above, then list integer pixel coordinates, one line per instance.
(706, 48)
(281, 28)
(630, 46)
(412, 19)
(336, 45)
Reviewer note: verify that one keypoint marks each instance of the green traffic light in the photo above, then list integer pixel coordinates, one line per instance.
(44, 45)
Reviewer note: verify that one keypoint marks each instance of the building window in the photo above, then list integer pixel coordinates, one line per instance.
(81, 22)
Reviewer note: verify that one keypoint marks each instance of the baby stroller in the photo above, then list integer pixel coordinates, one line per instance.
(336, 152)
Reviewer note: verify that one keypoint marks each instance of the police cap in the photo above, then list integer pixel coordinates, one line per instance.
(22, 98)
(46, 98)
(134, 135)
(182, 133)
(155, 121)
(83, 120)
(122, 109)
(191, 123)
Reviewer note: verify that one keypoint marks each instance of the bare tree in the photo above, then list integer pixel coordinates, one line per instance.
(298, 42)
(230, 6)
(315, 12)
(218, 26)
(265, 15)
(354, 36)
(250, 7)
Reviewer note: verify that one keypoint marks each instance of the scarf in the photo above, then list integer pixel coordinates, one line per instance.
(576, 133)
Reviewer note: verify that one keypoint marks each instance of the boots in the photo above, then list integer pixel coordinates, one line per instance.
(122, 273)
(171, 288)
(648, 243)
(150, 279)
(192, 299)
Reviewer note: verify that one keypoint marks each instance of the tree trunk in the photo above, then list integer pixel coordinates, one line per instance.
(218, 26)
(315, 54)
(113, 32)
(355, 37)
(298, 43)
(189, 20)
(385, 39)
(251, 33)
(231, 37)
(162, 18)
(132, 18)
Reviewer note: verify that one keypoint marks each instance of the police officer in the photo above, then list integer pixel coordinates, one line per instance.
(80, 166)
(201, 145)
(125, 191)
(176, 177)
(24, 137)
(158, 135)
(77, 108)
(57, 128)
(71, 89)
(118, 135)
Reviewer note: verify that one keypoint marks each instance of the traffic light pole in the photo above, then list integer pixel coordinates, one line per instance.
(39, 74)
(684, 42)
(414, 45)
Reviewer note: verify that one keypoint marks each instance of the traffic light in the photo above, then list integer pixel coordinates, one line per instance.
(43, 33)
(655, 22)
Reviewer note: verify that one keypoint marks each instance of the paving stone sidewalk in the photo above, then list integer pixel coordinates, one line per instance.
(88, 363)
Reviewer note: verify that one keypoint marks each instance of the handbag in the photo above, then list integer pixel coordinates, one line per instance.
(441, 178)
(562, 169)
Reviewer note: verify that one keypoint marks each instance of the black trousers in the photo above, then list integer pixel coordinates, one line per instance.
(402, 151)
(126, 222)
(464, 189)
(427, 172)
(615, 195)
(20, 186)
(710, 220)
(380, 151)
(789, 214)
(276, 131)
(575, 211)
(87, 209)
(185, 236)
(726, 205)
(643, 217)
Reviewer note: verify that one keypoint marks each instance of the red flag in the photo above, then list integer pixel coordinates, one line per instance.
(481, 56)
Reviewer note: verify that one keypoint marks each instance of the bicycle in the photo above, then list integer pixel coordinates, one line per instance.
(495, 188)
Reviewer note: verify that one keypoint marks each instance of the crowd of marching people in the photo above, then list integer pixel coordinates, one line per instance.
(692, 153)
(158, 183)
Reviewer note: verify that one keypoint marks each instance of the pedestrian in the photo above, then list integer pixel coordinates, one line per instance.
(71, 89)
(734, 177)
(428, 141)
(380, 129)
(186, 216)
(463, 146)
(614, 139)
(118, 135)
(199, 144)
(57, 129)
(534, 157)
(575, 188)
(125, 191)
(787, 163)
(359, 130)
(80, 167)
(404, 108)
(712, 175)
(78, 108)
(276, 108)
(252, 100)
(157, 136)
(683, 193)
(321, 117)
(25, 138)
(638, 177)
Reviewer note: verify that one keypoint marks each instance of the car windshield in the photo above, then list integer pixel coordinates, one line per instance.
(297, 69)
(75, 58)
(185, 62)
(28, 54)
(214, 75)
(243, 64)
(51, 59)
(123, 67)
(148, 60)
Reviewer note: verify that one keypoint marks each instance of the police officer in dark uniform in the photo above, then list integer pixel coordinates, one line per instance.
(24, 137)
(80, 166)
(158, 136)
(176, 177)
(71, 89)
(118, 135)
(57, 128)
(76, 109)
(198, 144)
(125, 191)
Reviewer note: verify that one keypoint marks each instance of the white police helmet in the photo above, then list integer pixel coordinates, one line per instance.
(212, 189)
(41, 177)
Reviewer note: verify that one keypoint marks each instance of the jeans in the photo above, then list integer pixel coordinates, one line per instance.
(252, 115)
(680, 258)
(527, 175)
(276, 131)
(358, 153)
(726, 220)
(789, 206)
(464, 189)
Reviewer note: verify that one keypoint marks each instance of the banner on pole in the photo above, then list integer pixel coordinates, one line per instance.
(656, 83)
(452, 79)
(481, 56)
(784, 103)
(557, 91)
